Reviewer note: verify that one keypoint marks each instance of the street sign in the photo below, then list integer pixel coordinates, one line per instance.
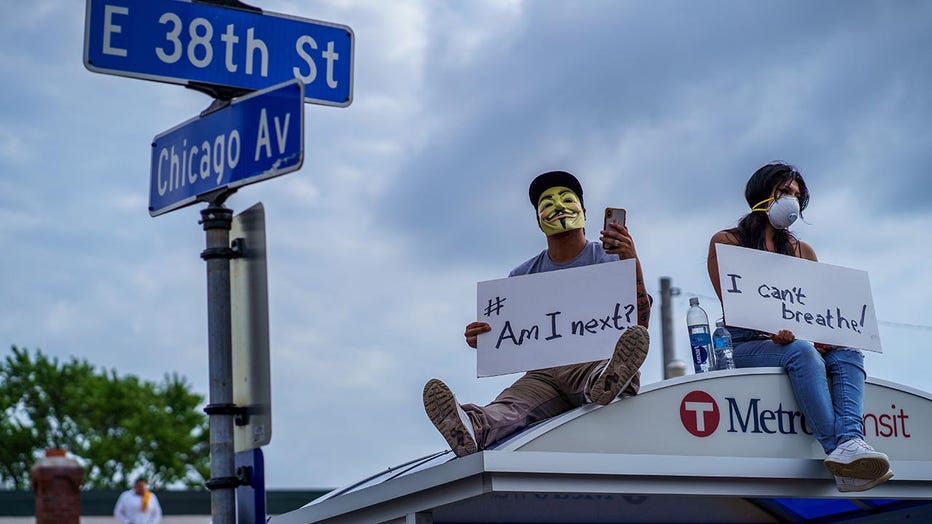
(256, 137)
(250, 497)
(181, 42)
(249, 330)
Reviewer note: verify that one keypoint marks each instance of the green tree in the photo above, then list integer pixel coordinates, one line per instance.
(118, 427)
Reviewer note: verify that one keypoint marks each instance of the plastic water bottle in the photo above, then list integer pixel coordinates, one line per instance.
(699, 338)
(721, 347)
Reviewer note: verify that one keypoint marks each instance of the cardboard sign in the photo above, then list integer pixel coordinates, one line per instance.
(554, 318)
(817, 302)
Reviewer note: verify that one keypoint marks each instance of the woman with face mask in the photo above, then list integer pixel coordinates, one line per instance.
(828, 381)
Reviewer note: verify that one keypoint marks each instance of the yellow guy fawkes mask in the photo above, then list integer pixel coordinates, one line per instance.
(559, 210)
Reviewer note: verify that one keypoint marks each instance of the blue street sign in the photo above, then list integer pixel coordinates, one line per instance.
(180, 42)
(250, 497)
(256, 137)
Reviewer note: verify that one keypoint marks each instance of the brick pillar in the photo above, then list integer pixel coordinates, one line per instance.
(56, 485)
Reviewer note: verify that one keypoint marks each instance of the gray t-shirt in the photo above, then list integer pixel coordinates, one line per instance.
(591, 254)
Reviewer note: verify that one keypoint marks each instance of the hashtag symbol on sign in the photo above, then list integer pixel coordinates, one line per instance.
(495, 308)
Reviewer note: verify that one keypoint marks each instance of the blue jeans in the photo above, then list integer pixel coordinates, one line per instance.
(829, 387)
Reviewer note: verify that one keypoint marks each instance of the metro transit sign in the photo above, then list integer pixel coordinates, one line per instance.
(256, 137)
(180, 42)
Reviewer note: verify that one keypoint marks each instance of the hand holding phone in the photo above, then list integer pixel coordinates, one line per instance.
(614, 215)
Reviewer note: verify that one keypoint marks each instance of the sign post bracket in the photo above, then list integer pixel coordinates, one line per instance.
(233, 4)
(221, 94)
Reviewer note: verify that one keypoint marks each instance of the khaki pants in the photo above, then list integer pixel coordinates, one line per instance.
(536, 396)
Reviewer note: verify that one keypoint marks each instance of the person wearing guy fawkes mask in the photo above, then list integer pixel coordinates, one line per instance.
(777, 196)
(557, 197)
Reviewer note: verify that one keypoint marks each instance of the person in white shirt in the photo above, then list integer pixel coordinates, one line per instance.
(138, 505)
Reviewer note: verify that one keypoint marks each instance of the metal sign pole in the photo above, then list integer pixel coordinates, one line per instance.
(217, 220)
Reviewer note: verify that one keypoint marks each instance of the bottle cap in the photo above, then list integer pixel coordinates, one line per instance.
(693, 301)
(719, 323)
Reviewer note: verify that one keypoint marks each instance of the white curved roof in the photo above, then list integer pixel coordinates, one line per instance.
(718, 447)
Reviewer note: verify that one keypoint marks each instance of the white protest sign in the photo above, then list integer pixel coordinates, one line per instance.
(554, 318)
(817, 302)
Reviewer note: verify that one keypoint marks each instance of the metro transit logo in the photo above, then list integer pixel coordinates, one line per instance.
(699, 413)
(701, 417)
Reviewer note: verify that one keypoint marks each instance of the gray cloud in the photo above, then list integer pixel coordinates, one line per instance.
(795, 81)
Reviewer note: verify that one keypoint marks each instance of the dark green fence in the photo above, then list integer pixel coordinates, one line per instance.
(99, 503)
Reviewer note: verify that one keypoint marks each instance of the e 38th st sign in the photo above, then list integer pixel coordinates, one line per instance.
(181, 42)
(227, 51)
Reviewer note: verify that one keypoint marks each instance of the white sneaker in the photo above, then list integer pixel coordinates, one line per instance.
(449, 418)
(848, 484)
(854, 458)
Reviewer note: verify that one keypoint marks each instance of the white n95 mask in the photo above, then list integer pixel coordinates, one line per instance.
(782, 212)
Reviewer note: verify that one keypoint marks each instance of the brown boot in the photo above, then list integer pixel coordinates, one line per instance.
(630, 352)
(449, 418)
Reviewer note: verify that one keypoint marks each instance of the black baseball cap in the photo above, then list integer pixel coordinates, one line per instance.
(545, 181)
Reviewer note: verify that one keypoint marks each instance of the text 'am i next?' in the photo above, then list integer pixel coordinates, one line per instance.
(554, 318)
(185, 42)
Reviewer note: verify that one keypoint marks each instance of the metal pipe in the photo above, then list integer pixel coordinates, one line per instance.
(666, 325)
(217, 220)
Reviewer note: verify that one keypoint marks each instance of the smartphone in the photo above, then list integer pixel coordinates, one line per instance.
(614, 215)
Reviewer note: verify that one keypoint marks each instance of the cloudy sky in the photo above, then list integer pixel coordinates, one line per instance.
(417, 191)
